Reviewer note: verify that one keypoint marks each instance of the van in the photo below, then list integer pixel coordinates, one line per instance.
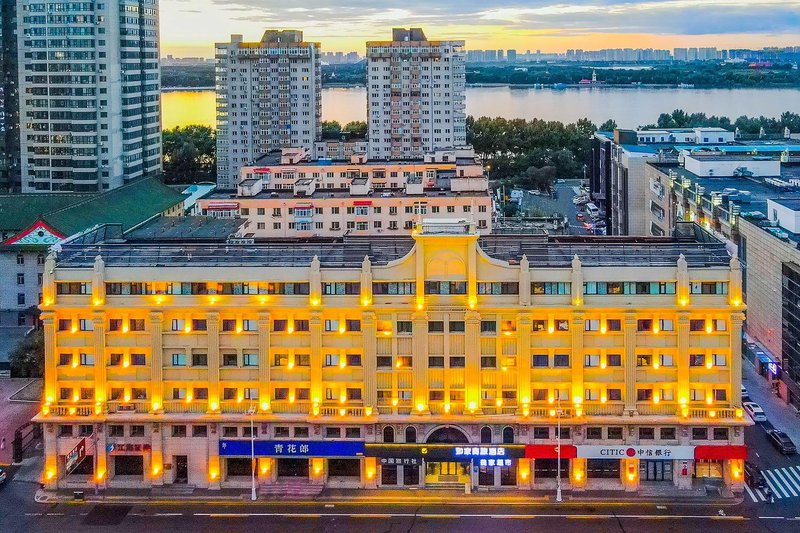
(592, 210)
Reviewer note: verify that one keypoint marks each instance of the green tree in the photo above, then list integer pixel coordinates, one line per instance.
(27, 357)
(331, 129)
(608, 125)
(190, 154)
(357, 128)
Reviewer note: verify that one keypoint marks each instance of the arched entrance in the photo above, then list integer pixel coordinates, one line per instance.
(447, 472)
(447, 435)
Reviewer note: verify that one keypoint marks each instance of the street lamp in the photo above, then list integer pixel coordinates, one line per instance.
(252, 412)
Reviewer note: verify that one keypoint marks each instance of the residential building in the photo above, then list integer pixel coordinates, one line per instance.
(769, 246)
(9, 99)
(286, 194)
(511, 55)
(415, 95)
(618, 184)
(269, 95)
(90, 116)
(441, 357)
(31, 223)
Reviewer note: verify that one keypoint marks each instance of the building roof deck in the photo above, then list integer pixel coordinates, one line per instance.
(697, 246)
(288, 194)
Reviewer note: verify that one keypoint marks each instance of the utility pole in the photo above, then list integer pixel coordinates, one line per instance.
(252, 413)
(558, 450)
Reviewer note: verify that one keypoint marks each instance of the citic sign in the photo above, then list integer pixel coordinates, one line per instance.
(635, 452)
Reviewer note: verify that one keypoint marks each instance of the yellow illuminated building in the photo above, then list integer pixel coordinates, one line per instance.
(442, 358)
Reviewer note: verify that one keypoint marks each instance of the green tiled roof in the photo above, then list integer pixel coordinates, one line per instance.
(18, 211)
(128, 205)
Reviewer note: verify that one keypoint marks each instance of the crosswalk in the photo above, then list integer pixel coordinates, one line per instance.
(784, 483)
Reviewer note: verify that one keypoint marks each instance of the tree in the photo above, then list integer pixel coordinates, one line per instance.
(331, 129)
(357, 128)
(608, 125)
(27, 357)
(190, 154)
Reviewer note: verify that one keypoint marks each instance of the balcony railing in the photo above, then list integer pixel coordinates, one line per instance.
(128, 407)
(182, 406)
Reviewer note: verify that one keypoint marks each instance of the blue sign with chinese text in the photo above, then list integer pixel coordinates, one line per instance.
(292, 448)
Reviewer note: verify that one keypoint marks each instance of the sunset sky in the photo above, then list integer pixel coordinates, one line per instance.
(190, 27)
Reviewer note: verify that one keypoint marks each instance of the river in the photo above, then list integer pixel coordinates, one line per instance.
(629, 107)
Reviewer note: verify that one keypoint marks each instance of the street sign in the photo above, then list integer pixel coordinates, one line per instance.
(75, 456)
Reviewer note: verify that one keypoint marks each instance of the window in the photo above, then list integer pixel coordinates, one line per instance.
(628, 287)
(249, 325)
(699, 433)
(199, 324)
(64, 324)
(703, 287)
(645, 324)
(404, 327)
(594, 433)
(301, 432)
(457, 362)
(647, 433)
(668, 434)
(644, 395)
(488, 327)
(719, 359)
(331, 359)
(136, 324)
(65, 359)
(281, 432)
(281, 393)
(720, 395)
(301, 325)
(177, 324)
(540, 361)
(115, 324)
(541, 432)
(250, 359)
(302, 359)
(384, 361)
(64, 430)
(644, 360)
(591, 360)
(561, 361)
(719, 434)
(488, 362)
(179, 431)
(445, 287)
(230, 431)
(388, 434)
(551, 288)
(230, 359)
(394, 288)
(614, 324)
(139, 393)
(228, 324)
(435, 327)
(87, 393)
(114, 430)
(456, 326)
(86, 324)
(591, 325)
(199, 359)
(613, 359)
(138, 359)
(341, 288)
(614, 394)
(199, 431)
(436, 362)
(178, 393)
(562, 325)
(179, 359)
(333, 433)
(279, 325)
(352, 433)
(137, 430)
(696, 324)
(697, 359)
(665, 360)
(614, 433)
(497, 287)
(697, 395)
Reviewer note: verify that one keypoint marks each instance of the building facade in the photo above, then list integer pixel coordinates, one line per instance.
(287, 195)
(269, 95)
(446, 358)
(90, 117)
(768, 247)
(9, 99)
(415, 95)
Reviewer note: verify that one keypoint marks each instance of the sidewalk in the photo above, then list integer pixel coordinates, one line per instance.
(781, 415)
(384, 496)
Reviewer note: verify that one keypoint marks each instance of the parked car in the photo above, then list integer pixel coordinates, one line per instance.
(755, 411)
(3, 475)
(580, 200)
(745, 394)
(781, 441)
(580, 217)
(753, 476)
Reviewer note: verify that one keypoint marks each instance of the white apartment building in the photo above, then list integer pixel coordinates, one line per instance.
(90, 117)
(415, 95)
(268, 97)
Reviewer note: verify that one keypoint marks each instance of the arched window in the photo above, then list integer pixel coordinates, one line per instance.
(486, 435)
(508, 435)
(388, 434)
(411, 434)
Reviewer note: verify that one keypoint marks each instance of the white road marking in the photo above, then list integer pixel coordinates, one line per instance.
(454, 515)
(786, 485)
(773, 484)
(750, 493)
(790, 475)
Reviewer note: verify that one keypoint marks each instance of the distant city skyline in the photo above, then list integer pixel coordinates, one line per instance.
(190, 27)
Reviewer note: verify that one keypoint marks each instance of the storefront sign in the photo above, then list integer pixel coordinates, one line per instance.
(445, 452)
(409, 461)
(285, 448)
(720, 453)
(75, 456)
(121, 449)
(635, 452)
(550, 451)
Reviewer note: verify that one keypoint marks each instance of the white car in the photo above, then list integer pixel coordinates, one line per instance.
(755, 411)
(744, 392)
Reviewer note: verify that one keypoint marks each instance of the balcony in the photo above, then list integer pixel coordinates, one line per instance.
(182, 406)
(128, 407)
(608, 409)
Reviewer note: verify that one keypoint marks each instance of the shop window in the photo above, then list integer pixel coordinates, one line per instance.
(128, 465)
(602, 468)
(389, 475)
(508, 476)
(550, 468)
(410, 475)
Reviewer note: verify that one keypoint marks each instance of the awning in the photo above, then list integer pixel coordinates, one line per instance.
(304, 206)
(550, 451)
(717, 453)
(261, 170)
(362, 202)
(220, 206)
(764, 358)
